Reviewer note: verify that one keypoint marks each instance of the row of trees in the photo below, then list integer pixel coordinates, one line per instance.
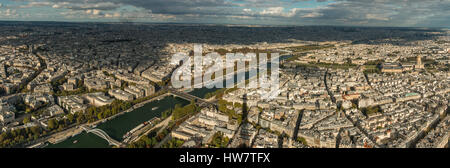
(151, 139)
(140, 100)
(146, 141)
(245, 50)
(220, 92)
(179, 112)
(304, 49)
(19, 136)
(173, 143)
(373, 67)
(97, 113)
(166, 113)
(334, 65)
(91, 114)
(309, 47)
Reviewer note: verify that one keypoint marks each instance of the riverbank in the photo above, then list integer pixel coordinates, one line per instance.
(62, 136)
(116, 126)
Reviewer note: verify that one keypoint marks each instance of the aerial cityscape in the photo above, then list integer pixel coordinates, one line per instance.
(88, 83)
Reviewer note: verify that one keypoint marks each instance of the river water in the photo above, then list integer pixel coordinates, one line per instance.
(120, 125)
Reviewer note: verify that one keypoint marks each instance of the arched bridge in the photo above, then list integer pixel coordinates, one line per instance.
(102, 134)
(201, 102)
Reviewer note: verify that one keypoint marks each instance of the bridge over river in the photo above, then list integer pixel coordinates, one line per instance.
(200, 102)
(102, 134)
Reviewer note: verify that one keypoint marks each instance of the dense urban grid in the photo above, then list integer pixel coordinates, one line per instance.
(340, 87)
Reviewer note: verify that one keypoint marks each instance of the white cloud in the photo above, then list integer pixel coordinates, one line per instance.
(93, 11)
(36, 4)
(96, 12)
(312, 15)
(87, 5)
(59, 5)
(163, 17)
(279, 12)
(113, 15)
(241, 17)
(274, 11)
(377, 17)
(9, 13)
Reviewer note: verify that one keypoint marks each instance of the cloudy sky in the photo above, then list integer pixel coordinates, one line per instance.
(421, 13)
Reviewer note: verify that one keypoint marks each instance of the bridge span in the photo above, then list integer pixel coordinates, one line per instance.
(102, 134)
(200, 102)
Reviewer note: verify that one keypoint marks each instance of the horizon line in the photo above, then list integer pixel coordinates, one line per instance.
(222, 24)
